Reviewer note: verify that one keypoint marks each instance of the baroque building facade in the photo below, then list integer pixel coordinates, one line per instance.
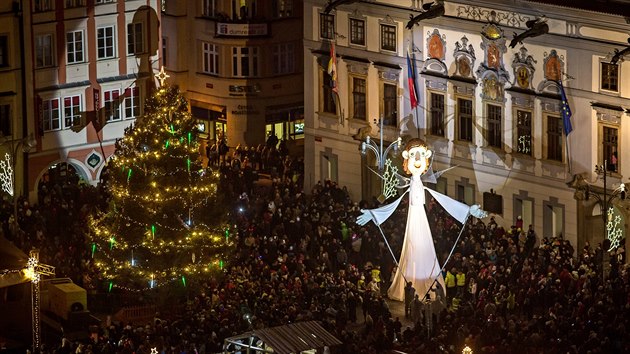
(488, 104)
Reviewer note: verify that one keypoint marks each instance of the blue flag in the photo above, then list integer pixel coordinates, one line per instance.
(566, 111)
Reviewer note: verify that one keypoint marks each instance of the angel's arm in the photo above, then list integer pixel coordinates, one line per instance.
(458, 210)
(378, 215)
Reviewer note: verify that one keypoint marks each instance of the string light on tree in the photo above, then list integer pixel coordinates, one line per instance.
(164, 207)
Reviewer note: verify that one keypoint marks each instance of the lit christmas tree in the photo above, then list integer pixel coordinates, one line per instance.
(164, 222)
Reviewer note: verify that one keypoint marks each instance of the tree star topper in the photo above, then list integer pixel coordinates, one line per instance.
(162, 76)
(154, 350)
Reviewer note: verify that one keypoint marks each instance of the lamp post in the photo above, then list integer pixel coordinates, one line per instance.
(380, 153)
(612, 232)
(8, 163)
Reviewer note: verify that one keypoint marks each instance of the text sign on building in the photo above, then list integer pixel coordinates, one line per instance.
(242, 29)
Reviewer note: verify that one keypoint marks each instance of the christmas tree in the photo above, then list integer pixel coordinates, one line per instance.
(164, 220)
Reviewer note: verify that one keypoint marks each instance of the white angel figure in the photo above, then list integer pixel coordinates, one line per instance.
(418, 262)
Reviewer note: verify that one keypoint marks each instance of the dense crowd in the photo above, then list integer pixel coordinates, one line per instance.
(302, 257)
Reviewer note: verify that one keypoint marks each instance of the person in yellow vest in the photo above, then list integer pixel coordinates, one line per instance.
(460, 278)
(451, 285)
(376, 275)
(361, 284)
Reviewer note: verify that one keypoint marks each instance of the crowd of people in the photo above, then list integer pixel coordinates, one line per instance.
(301, 256)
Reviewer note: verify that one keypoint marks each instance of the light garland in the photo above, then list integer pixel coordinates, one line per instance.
(6, 174)
(157, 215)
(614, 232)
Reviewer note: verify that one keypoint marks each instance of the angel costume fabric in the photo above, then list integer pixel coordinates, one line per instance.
(418, 261)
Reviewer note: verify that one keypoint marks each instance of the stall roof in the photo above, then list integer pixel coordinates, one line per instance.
(294, 337)
(12, 261)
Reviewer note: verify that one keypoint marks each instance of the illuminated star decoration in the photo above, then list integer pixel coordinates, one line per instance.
(6, 174)
(162, 76)
(613, 231)
(154, 350)
(390, 179)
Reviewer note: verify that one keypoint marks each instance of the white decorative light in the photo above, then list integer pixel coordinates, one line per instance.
(614, 233)
(6, 174)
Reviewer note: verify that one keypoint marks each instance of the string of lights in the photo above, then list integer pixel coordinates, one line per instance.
(164, 224)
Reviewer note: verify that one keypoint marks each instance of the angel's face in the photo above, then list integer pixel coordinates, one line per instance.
(417, 160)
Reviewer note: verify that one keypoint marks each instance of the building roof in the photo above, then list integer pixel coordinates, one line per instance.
(613, 7)
(293, 338)
(12, 261)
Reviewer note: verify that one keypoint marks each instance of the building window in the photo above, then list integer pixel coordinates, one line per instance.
(112, 105)
(74, 46)
(327, 26)
(494, 126)
(283, 58)
(329, 104)
(71, 111)
(244, 9)
(388, 38)
(51, 119)
(610, 77)
(5, 120)
(465, 192)
(245, 61)
(554, 138)
(357, 31)
(105, 1)
(43, 5)
(437, 114)
(524, 132)
(553, 218)
(390, 105)
(135, 39)
(4, 51)
(132, 102)
(611, 151)
(282, 8)
(44, 50)
(358, 98)
(210, 60)
(208, 8)
(74, 3)
(105, 42)
(465, 117)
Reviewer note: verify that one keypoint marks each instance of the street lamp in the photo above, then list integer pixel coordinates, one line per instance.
(379, 154)
(8, 163)
(619, 192)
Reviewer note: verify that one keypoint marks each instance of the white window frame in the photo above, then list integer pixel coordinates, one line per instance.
(112, 105)
(284, 58)
(101, 42)
(98, 2)
(210, 58)
(72, 111)
(238, 57)
(135, 38)
(132, 102)
(44, 57)
(74, 55)
(51, 116)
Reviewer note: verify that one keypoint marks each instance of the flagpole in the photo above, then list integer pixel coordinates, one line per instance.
(568, 154)
(413, 60)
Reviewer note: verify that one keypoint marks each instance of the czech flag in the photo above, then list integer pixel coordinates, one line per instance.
(411, 78)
